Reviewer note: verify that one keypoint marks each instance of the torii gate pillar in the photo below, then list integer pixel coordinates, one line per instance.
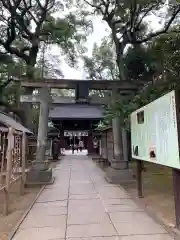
(119, 170)
(40, 172)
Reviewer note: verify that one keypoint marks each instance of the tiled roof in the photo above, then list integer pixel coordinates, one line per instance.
(10, 122)
(76, 111)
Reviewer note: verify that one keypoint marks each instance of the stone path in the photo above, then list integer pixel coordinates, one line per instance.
(81, 205)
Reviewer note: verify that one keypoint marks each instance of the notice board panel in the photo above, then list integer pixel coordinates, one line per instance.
(154, 132)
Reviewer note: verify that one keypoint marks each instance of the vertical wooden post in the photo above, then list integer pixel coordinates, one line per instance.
(3, 137)
(61, 141)
(51, 148)
(139, 178)
(23, 162)
(90, 144)
(8, 170)
(176, 186)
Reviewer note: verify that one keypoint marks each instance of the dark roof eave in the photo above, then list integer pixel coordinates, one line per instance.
(104, 129)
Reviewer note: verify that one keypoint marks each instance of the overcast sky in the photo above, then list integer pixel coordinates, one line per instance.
(100, 30)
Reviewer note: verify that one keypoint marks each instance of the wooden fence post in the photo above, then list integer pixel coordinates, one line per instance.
(3, 136)
(23, 163)
(10, 138)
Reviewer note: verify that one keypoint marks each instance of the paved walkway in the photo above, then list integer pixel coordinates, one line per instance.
(81, 205)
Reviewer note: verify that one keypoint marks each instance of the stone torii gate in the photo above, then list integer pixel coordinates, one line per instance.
(119, 168)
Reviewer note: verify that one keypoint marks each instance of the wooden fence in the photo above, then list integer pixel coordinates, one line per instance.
(107, 146)
(12, 162)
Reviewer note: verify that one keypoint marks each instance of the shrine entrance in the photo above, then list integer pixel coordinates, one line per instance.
(74, 137)
(76, 121)
(76, 114)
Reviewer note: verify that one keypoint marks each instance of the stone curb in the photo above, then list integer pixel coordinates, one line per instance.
(172, 230)
(11, 235)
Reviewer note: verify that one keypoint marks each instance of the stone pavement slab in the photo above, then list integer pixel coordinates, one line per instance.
(147, 237)
(84, 197)
(81, 205)
(120, 205)
(91, 230)
(34, 221)
(137, 228)
(87, 218)
(49, 208)
(46, 233)
(137, 237)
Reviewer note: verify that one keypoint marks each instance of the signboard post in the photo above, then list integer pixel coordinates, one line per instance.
(139, 179)
(155, 138)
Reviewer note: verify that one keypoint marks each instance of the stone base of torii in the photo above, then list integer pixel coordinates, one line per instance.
(118, 171)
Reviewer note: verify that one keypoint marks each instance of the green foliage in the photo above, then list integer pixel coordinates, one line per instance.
(162, 57)
(101, 65)
(27, 24)
(167, 54)
(9, 69)
(128, 22)
(139, 63)
(69, 34)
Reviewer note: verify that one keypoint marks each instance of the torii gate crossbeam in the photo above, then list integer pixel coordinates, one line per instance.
(72, 83)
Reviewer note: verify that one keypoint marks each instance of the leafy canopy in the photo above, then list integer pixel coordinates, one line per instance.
(25, 24)
(101, 64)
(128, 21)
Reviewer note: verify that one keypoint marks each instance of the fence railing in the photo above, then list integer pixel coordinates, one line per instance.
(12, 161)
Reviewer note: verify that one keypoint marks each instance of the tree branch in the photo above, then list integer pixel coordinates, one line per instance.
(133, 9)
(145, 14)
(95, 6)
(162, 31)
(5, 84)
(13, 50)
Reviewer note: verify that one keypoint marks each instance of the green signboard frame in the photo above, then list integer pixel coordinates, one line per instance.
(154, 132)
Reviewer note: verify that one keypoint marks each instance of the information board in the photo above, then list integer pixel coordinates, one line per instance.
(154, 133)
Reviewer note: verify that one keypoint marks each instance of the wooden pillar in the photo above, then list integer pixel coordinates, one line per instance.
(23, 165)
(90, 144)
(10, 146)
(62, 144)
(176, 186)
(51, 141)
(139, 168)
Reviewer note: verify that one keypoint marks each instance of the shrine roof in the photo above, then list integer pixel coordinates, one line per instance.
(10, 122)
(77, 111)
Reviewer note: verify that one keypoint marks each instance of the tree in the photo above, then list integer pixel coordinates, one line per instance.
(165, 55)
(10, 91)
(139, 63)
(10, 67)
(48, 65)
(27, 24)
(127, 20)
(166, 51)
(101, 65)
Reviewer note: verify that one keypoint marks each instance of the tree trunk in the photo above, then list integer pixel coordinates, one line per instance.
(29, 91)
